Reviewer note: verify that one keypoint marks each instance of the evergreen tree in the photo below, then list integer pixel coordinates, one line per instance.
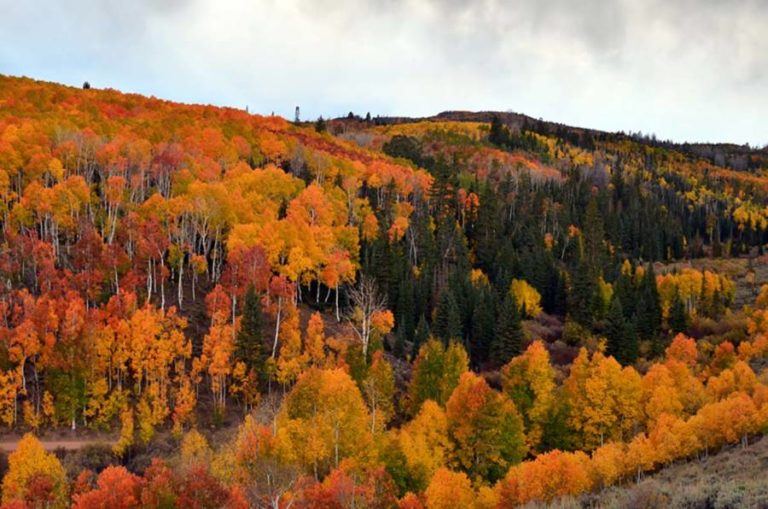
(582, 295)
(249, 345)
(489, 227)
(447, 323)
(620, 332)
(442, 193)
(624, 289)
(594, 238)
(509, 333)
(498, 134)
(555, 298)
(483, 326)
(320, 125)
(420, 335)
(678, 315)
(648, 307)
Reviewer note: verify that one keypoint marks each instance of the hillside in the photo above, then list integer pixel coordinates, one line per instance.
(737, 157)
(731, 478)
(473, 309)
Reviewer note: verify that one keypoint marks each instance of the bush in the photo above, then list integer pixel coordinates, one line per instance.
(95, 457)
(575, 334)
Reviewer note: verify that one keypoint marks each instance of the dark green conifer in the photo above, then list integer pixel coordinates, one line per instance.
(678, 315)
(447, 324)
(620, 333)
(509, 333)
(249, 345)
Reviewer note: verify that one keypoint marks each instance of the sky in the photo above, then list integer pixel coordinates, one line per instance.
(686, 70)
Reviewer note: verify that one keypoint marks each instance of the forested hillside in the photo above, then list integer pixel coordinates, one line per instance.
(471, 310)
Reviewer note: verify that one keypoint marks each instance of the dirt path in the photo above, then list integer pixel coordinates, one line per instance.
(9, 444)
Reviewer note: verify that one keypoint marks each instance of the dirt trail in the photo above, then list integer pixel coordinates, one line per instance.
(9, 444)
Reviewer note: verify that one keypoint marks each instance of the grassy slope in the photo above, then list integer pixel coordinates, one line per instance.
(733, 478)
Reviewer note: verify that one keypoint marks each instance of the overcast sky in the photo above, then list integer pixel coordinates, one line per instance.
(688, 70)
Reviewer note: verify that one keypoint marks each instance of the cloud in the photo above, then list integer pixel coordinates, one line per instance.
(686, 69)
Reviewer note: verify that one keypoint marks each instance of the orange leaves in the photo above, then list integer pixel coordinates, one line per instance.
(739, 378)
(603, 398)
(382, 321)
(425, 443)
(350, 485)
(254, 443)
(271, 147)
(313, 207)
(150, 192)
(314, 341)
(529, 380)
(668, 438)
(10, 384)
(292, 359)
(132, 193)
(398, 228)
(661, 396)
(551, 475)
(608, 464)
(671, 438)
(218, 346)
(62, 204)
(28, 462)
(683, 349)
(323, 420)
(246, 267)
(485, 427)
(448, 490)
(698, 290)
(370, 227)
(116, 488)
(726, 421)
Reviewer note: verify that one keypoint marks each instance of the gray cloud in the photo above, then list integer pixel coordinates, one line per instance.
(685, 69)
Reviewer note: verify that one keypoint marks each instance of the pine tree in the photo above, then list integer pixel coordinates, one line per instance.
(320, 125)
(442, 196)
(498, 134)
(620, 332)
(648, 307)
(420, 336)
(483, 326)
(447, 324)
(555, 297)
(249, 347)
(624, 289)
(581, 297)
(678, 316)
(488, 227)
(509, 333)
(594, 238)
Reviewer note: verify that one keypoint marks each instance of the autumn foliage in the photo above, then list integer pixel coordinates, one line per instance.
(363, 305)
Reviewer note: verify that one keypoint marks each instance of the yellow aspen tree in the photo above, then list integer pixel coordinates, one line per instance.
(29, 460)
(314, 342)
(292, 360)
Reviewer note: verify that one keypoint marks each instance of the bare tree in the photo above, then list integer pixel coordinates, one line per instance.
(271, 481)
(366, 302)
